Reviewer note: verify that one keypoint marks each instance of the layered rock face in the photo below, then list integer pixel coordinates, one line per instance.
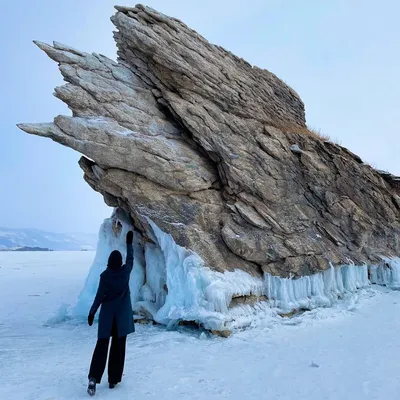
(213, 151)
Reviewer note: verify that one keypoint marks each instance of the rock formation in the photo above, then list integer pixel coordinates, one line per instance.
(216, 153)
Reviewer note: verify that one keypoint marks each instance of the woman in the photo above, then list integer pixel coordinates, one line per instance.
(116, 318)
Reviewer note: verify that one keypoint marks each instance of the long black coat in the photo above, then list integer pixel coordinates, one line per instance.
(114, 297)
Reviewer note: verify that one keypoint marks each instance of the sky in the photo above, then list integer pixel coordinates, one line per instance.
(341, 56)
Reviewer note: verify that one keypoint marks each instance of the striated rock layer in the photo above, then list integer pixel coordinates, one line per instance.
(213, 151)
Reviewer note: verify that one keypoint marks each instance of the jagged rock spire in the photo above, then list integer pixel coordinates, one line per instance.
(195, 138)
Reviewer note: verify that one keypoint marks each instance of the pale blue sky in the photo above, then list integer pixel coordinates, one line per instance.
(341, 56)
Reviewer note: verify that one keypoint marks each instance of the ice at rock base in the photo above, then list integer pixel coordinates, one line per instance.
(170, 283)
(387, 274)
(108, 241)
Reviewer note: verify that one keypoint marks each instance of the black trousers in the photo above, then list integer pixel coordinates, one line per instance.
(116, 359)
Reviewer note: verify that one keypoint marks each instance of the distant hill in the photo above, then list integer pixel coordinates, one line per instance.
(25, 248)
(15, 238)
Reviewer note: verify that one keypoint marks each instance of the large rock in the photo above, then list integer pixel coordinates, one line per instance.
(215, 152)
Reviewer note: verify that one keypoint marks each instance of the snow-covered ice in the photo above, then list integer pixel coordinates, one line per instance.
(355, 345)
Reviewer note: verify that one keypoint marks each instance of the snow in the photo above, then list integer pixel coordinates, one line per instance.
(296, 149)
(348, 351)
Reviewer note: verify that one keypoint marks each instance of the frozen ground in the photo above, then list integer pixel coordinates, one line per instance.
(351, 351)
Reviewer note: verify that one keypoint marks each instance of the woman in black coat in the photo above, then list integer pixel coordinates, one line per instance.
(116, 318)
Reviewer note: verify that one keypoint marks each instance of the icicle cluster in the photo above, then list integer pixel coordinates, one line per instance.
(387, 273)
(319, 290)
(170, 283)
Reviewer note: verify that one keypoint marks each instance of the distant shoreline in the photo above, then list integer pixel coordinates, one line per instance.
(36, 240)
(38, 249)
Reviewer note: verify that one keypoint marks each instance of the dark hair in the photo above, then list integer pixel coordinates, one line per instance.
(115, 260)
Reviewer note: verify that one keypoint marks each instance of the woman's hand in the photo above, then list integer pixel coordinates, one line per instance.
(90, 319)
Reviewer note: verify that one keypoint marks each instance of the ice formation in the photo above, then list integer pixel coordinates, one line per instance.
(170, 283)
(184, 289)
(112, 235)
(387, 273)
(318, 290)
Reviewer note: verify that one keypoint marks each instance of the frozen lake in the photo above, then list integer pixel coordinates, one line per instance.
(351, 351)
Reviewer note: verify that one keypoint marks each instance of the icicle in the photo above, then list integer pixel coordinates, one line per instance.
(387, 273)
(156, 273)
(319, 290)
(196, 293)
